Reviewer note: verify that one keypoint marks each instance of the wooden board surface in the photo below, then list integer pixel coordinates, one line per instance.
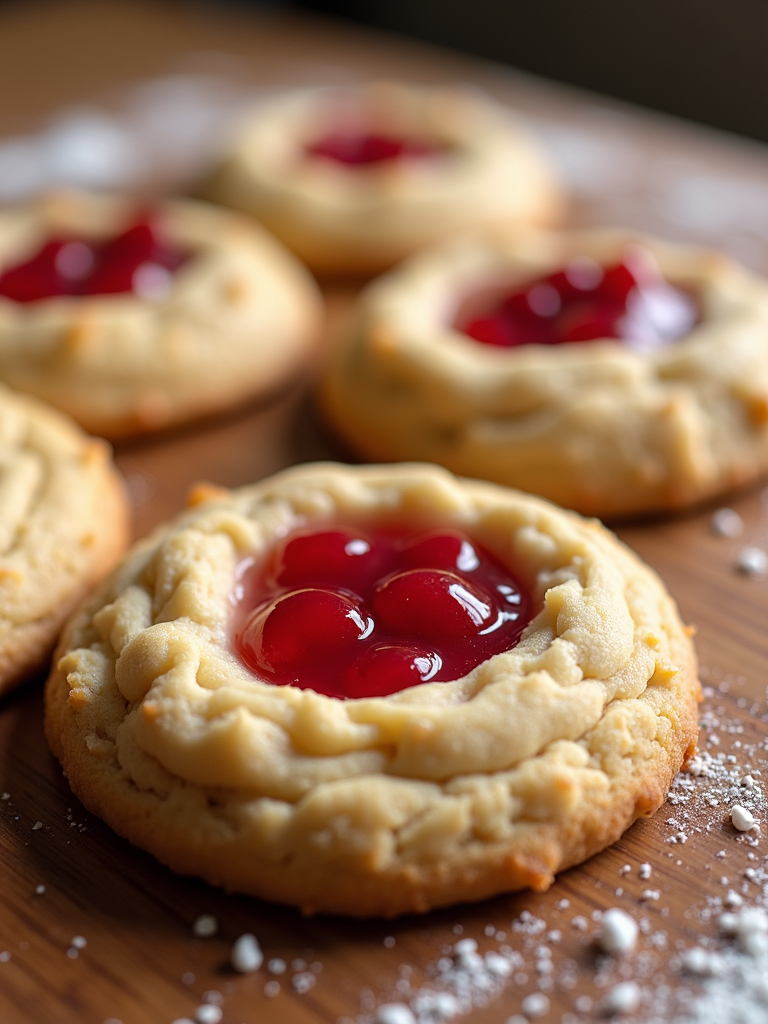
(141, 962)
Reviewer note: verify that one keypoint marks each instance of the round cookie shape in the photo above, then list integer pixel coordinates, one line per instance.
(64, 523)
(353, 180)
(229, 317)
(444, 791)
(607, 427)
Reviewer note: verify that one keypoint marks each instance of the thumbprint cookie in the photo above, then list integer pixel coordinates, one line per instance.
(132, 318)
(612, 374)
(355, 179)
(375, 690)
(64, 524)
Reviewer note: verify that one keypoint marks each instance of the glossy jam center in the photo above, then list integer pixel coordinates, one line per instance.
(353, 613)
(629, 300)
(134, 261)
(365, 148)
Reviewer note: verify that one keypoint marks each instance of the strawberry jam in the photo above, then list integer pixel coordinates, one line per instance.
(134, 261)
(629, 301)
(366, 148)
(354, 613)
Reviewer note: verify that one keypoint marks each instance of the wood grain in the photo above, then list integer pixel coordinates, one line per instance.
(141, 962)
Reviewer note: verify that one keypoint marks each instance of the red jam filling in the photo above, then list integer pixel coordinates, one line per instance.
(134, 261)
(351, 613)
(629, 301)
(366, 148)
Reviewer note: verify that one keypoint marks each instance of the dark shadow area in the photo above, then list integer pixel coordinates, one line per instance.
(700, 59)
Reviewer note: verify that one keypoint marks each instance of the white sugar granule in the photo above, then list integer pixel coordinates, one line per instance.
(394, 1013)
(701, 962)
(277, 965)
(726, 523)
(272, 989)
(742, 818)
(246, 955)
(752, 561)
(208, 1013)
(303, 982)
(205, 926)
(535, 1005)
(645, 871)
(618, 932)
(622, 998)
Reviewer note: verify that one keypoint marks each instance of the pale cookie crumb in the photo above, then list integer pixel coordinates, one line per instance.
(618, 933)
(726, 523)
(246, 955)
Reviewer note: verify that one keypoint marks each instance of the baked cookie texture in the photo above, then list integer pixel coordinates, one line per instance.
(361, 220)
(240, 318)
(595, 426)
(64, 523)
(444, 792)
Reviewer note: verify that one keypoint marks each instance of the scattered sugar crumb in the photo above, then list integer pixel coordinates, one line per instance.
(535, 1005)
(622, 998)
(752, 561)
(618, 932)
(246, 955)
(204, 926)
(743, 819)
(208, 1013)
(726, 523)
(394, 1013)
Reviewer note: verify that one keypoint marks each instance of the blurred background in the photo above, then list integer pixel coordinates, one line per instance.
(700, 59)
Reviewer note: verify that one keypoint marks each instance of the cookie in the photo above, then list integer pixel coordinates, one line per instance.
(657, 400)
(354, 179)
(63, 526)
(375, 690)
(133, 319)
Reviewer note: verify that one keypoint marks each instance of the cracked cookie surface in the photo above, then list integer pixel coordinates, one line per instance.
(446, 791)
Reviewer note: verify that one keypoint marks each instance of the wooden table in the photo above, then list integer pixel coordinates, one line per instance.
(141, 962)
